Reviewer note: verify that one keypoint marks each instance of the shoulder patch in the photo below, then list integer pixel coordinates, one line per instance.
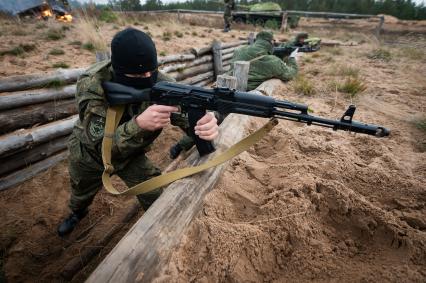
(96, 128)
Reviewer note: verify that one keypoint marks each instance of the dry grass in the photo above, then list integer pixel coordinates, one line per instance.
(352, 86)
(380, 54)
(89, 30)
(304, 86)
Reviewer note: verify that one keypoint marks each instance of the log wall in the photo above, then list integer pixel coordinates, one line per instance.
(36, 118)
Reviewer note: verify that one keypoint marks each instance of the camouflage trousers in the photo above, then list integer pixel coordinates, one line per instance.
(227, 17)
(86, 176)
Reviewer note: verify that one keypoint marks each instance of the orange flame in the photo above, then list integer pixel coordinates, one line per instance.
(65, 18)
(46, 13)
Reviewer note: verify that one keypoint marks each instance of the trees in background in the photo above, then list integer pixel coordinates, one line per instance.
(402, 9)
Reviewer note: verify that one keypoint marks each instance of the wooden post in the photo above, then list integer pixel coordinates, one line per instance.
(226, 81)
(379, 26)
(241, 70)
(217, 58)
(251, 38)
(284, 22)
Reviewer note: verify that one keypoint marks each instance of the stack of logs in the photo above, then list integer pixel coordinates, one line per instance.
(35, 124)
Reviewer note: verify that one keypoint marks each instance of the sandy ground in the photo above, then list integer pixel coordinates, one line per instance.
(304, 204)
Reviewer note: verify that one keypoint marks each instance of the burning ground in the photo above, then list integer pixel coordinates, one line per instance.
(303, 204)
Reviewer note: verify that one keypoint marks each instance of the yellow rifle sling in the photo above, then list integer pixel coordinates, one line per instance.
(114, 115)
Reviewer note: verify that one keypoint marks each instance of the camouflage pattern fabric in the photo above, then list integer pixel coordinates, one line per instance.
(227, 15)
(129, 146)
(263, 65)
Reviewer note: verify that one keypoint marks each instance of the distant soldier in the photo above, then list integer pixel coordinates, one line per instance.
(310, 44)
(227, 15)
(264, 65)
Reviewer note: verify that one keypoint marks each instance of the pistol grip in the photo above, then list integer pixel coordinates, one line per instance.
(204, 147)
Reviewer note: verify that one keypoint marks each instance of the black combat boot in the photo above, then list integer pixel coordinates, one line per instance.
(68, 225)
(175, 151)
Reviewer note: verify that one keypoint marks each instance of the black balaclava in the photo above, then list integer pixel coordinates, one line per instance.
(133, 52)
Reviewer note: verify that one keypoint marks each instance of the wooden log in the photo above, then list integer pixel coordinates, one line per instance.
(23, 82)
(229, 50)
(201, 51)
(196, 62)
(146, 248)
(227, 56)
(234, 44)
(175, 58)
(26, 158)
(22, 139)
(199, 78)
(217, 58)
(205, 82)
(38, 114)
(240, 72)
(29, 97)
(29, 172)
(193, 71)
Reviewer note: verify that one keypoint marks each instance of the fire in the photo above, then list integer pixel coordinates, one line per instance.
(46, 13)
(65, 18)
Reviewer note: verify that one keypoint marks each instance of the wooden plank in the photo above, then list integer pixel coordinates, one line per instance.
(23, 82)
(22, 139)
(217, 58)
(240, 72)
(198, 78)
(193, 71)
(175, 58)
(196, 62)
(28, 157)
(28, 116)
(29, 97)
(29, 172)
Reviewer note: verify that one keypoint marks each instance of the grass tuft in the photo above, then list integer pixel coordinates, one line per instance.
(56, 51)
(18, 50)
(88, 46)
(55, 34)
(56, 84)
(178, 34)
(352, 86)
(167, 36)
(304, 86)
(163, 53)
(380, 54)
(61, 65)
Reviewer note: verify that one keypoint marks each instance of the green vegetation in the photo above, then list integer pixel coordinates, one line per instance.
(163, 53)
(107, 15)
(178, 34)
(76, 43)
(194, 33)
(55, 34)
(380, 54)
(352, 86)
(343, 70)
(266, 6)
(56, 51)
(61, 65)
(272, 24)
(421, 124)
(167, 36)
(304, 86)
(18, 50)
(88, 46)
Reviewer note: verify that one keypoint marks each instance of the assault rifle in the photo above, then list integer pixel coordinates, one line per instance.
(285, 51)
(196, 100)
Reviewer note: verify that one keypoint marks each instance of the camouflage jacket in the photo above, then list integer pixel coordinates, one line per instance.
(129, 138)
(264, 65)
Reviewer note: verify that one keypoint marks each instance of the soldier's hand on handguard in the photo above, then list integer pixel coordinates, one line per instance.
(155, 117)
(207, 128)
